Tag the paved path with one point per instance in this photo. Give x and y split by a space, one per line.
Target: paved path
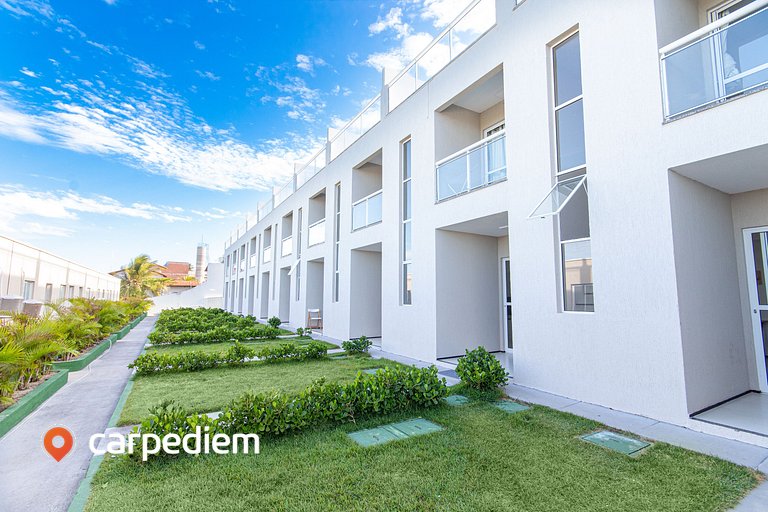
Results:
30 480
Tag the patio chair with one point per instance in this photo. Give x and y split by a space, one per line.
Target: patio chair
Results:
32 308
314 319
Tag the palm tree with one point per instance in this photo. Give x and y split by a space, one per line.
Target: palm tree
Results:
142 278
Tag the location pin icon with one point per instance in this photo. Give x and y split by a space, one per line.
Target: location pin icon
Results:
63 442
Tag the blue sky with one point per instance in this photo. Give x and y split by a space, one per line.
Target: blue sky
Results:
131 127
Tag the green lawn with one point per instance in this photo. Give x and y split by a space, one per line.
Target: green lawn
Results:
484 460
211 390
222 347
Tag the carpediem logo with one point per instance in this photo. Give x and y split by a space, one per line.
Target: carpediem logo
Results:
201 441
58 442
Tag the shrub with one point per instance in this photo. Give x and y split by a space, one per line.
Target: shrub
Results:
236 355
300 331
274 322
480 370
215 335
291 351
357 346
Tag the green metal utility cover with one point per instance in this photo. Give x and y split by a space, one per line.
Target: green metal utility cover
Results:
456 400
371 371
393 432
510 406
616 442
417 427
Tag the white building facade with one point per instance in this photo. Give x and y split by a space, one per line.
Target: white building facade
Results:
637 134
32 274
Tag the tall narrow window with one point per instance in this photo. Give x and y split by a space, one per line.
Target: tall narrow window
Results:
407 198
570 192
298 280
48 293
29 290
336 239
299 220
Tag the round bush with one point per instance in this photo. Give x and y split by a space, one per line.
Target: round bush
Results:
480 370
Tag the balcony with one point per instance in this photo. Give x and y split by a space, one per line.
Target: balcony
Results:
242 264
316 233
367 211
253 260
470 26
355 129
718 62
267 254
479 165
286 246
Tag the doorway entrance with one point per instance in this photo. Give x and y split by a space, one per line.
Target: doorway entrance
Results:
756 251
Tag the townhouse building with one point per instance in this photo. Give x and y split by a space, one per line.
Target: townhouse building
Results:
580 186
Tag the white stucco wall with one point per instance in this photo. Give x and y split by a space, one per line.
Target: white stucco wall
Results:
643 350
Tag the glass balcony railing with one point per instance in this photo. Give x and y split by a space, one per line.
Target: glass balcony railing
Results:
355 129
476 166
316 233
253 260
476 20
286 246
314 166
284 193
720 61
242 265
267 254
366 211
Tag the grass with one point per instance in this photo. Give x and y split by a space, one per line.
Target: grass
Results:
484 460
222 347
210 390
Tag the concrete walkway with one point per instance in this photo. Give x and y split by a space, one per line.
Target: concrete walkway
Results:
31 479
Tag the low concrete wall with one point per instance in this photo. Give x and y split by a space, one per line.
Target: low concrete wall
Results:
13 415
209 294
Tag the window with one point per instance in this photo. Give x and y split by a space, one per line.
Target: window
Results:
406 214
48 293
568 199
80 291
62 292
29 290
299 220
336 238
298 280
71 292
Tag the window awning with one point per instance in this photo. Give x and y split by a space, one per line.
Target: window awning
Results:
559 196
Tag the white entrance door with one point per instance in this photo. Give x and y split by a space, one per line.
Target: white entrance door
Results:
756 250
506 303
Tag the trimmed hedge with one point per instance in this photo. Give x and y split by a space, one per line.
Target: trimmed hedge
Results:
388 390
216 335
194 361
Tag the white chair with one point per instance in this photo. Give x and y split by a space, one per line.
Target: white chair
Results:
314 319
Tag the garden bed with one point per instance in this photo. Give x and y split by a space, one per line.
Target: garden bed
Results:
90 355
212 389
483 459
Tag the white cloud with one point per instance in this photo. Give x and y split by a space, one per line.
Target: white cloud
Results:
443 12
146 70
56 212
110 2
292 93
411 43
393 20
27 8
308 63
199 45
29 72
208 75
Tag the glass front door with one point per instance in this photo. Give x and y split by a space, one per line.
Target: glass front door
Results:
506 301
756 248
